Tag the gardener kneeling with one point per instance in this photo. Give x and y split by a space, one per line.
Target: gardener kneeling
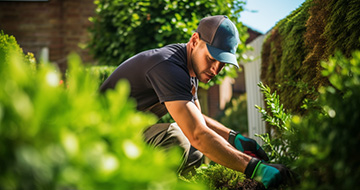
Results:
166 80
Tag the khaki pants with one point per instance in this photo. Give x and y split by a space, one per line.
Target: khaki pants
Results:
168 135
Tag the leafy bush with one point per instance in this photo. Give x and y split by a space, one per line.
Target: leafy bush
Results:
277 142
328 140
218 177
102 71
8 44
234 115
321 146
69 137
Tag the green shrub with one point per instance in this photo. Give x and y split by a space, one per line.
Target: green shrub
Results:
321 147
102 71
55 136
328 141
277 142
8 45
234 115
218 177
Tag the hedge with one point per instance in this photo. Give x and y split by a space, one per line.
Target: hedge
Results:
294 48
321 146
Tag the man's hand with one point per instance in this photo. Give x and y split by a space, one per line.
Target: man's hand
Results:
247 145
271 175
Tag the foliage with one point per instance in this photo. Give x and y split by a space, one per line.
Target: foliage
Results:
282 55
321 147
328 141
8 44
124 28
277 144
342 29
166 119
293 51
102 71
235 115
218 177
56 136
277 116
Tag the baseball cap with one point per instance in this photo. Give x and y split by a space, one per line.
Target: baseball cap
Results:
221 37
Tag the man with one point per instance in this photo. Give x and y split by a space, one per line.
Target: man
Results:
166 80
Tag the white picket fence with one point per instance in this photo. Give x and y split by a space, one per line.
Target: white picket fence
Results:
252 72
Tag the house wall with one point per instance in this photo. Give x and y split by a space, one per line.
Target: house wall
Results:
59 25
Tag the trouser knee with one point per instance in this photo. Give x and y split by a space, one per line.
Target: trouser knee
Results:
168 135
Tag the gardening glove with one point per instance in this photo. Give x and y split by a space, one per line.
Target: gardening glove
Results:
271 175
247 145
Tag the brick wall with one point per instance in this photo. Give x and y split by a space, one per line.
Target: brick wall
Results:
60 25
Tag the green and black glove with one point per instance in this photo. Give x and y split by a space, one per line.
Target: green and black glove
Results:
247 145
271 175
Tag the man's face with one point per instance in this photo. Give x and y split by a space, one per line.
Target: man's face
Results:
204 65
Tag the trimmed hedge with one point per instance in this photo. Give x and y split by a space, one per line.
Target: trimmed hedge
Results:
297 44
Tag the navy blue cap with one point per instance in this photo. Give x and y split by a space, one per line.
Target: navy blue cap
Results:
221 37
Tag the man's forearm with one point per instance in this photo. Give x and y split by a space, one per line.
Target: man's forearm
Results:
220 151
217 127
205 139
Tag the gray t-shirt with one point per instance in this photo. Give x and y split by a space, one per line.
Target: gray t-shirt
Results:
156 76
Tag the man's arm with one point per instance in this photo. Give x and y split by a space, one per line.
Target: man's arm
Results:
244 144
214 125
193 124
217 127
211 144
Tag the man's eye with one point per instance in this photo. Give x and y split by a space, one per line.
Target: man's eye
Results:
211 59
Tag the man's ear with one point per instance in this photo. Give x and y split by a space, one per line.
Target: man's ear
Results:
195 39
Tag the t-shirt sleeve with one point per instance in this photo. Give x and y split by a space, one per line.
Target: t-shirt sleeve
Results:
170 82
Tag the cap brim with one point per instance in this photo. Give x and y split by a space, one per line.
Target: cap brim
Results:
222 56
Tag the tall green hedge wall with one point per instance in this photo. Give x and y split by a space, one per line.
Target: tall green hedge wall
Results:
295 47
